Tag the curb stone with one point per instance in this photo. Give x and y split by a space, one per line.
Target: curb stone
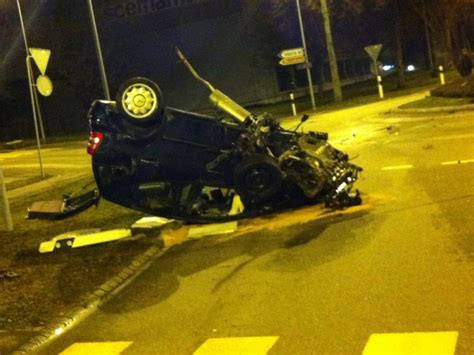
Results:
103 293
440 110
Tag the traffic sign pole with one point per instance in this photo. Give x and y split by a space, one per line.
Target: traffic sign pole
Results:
308 70
374 52
40 117
379 83
35 117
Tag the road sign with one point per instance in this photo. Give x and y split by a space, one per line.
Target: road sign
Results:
41 58
292 60
44 85
290 53
374 51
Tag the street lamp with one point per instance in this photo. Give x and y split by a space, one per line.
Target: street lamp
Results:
100 59
33 94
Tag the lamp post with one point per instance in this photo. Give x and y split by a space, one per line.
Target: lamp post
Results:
305 48
100 59
34 98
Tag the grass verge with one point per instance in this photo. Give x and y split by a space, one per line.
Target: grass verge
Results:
359 94
48 285
437 102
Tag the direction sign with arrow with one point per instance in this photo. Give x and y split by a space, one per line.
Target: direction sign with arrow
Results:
290 53
292 60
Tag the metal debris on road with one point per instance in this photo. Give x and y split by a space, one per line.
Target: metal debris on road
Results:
212 229
152 222
5 274
59 209
393 129
83 238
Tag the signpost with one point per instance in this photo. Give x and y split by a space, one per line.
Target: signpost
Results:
292 56
290 53
43 82
292 61
374 52
288 57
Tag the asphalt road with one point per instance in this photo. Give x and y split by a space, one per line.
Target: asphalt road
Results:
402 263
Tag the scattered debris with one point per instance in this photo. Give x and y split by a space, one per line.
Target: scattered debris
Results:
83 238
393 129
237 206
212 229
151 224
13 144
5 274
59 209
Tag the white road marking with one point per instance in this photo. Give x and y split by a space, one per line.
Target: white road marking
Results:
236 346
456 162
397 167
451 137
111 348
412 343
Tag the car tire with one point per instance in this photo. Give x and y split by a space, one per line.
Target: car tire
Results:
257 178
140 101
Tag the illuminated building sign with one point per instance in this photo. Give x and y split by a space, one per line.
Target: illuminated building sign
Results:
132 8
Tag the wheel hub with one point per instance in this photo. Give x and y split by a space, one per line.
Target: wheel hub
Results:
257 180
139 101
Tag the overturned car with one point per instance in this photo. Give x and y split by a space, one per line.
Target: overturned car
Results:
199 168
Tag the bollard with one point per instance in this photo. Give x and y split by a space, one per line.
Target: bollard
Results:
442 78
293 105
5 205
379 83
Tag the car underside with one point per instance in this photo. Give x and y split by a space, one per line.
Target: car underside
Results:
199 168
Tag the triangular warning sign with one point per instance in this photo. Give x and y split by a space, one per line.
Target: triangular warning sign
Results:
374 51
41 58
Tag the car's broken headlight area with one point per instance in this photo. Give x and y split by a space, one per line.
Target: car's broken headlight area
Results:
272 169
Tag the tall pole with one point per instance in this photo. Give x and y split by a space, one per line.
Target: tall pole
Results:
30 84
105 85
27 53
336 81
22 26
429 48
33 107
7 216
305 48
4 203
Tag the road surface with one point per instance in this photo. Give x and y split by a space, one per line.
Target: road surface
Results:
396 273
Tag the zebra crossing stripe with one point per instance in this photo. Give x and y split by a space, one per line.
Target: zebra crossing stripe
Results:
111 348
237 346
436 343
